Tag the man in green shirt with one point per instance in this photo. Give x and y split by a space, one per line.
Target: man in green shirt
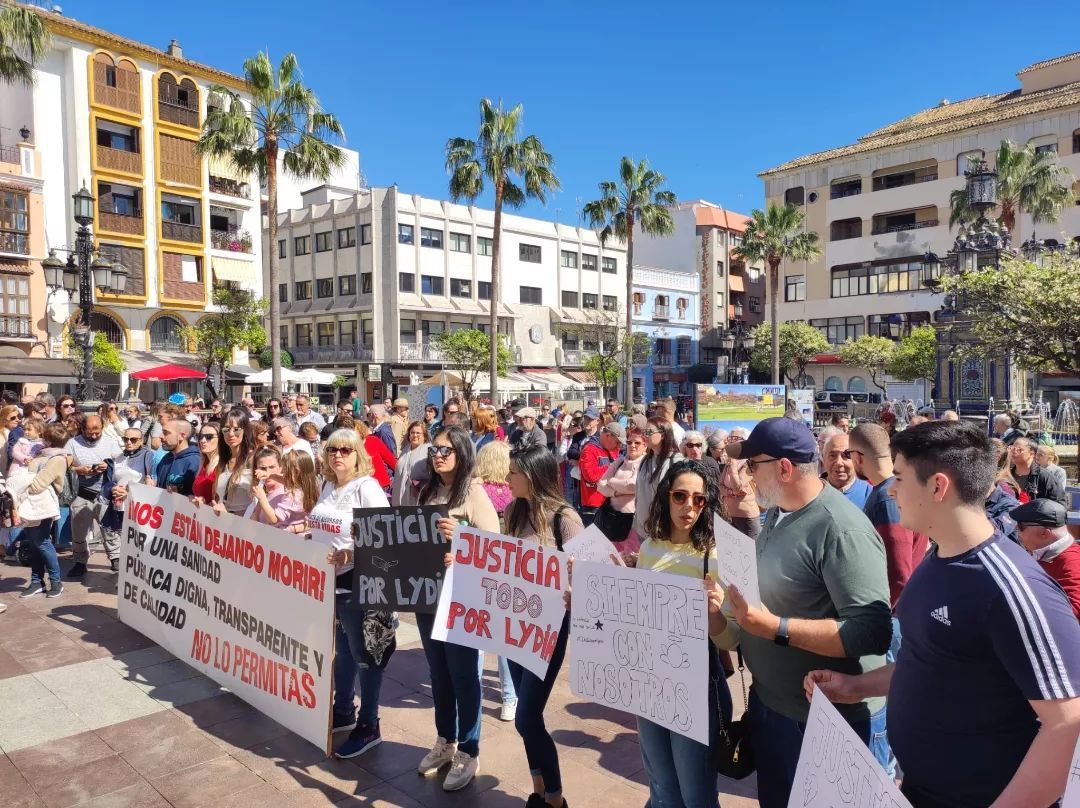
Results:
825 600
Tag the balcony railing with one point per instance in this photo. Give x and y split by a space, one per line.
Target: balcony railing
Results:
12 241
9 154
576 357
119 160
174 111
419 352
120 222
683 360
234 240
661 312
15 327
173 343
178 231
880 228
332 353
228 187
663 359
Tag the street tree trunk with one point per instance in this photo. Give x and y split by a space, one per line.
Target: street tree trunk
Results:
628 337
774 309
496 268
272 248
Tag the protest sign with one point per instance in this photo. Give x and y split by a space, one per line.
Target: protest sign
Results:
1072 785
399 558
736 560
249 605
638 643
592 545
503 595
835 766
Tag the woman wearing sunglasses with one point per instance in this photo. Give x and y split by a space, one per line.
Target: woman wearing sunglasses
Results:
232 488
679 534
9 419
365 639
455 678
215 456
273 410
661 451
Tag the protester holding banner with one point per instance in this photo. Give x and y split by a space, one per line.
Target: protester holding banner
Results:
660 453
455 681
135 465
540 513
280 499
232 488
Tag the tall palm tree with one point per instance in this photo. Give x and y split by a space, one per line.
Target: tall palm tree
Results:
24 39
517 168
635 199
773 236
1028 181
285 119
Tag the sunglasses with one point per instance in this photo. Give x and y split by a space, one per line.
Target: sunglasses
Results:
681 497
132 440
694 445
751 465
67 405
207 436
344 451
233 430
652 431
440 451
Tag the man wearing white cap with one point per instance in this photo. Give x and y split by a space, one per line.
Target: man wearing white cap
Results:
527 430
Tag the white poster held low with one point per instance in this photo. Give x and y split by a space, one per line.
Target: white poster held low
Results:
592 545
736 558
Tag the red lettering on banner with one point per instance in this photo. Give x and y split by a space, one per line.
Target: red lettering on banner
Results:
475 620
296 574
145 514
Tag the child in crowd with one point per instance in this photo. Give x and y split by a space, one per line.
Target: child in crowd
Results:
30 444
281 494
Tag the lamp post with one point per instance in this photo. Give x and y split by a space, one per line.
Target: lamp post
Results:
83 272
737 342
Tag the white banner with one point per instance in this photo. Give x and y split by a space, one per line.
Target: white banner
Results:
736 560
1072 785
592 545
249 605
503 595
638 643
836 768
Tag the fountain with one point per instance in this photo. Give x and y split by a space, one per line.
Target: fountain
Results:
1066 422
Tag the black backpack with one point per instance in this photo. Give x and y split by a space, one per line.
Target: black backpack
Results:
71 487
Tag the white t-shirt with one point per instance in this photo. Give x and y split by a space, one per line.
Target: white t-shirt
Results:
301 445
331 518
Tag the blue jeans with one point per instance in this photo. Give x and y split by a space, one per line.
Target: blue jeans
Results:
42 552
455 687
505 680
776 741
349 663
11 536
879 739
62 529
532 694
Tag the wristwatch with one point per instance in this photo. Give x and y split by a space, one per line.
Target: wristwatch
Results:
782 637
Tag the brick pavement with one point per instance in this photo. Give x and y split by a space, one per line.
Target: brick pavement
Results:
94 714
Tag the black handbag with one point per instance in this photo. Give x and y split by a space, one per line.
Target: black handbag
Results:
613 524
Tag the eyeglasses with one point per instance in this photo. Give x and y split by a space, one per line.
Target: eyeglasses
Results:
681 497
694 445
751 465
132 440
67 404
207 436
233 430
344 451
847 453
652 431
441 451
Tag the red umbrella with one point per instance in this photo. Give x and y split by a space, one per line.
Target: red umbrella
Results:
168 373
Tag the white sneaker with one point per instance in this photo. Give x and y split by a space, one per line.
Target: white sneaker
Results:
441 753
463 769
508 711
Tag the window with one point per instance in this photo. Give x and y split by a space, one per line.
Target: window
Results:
178 212
891 276
14 223
533 295
719 269
660 307
905 176
126 141
794 196
405 234
406 282
365 283
639 301
856 384
346 285
324 287
721 238
347 332
460 242
842 188
303 290
429 328
570 299
326 334
837 330
323 242
610 265
588 301
754 274
965 160
755 304
367 329
459 287
407 330
834 383
301 245
682 351
282 250
588 262
303 335
346 237
283 293
736 240
681 305
1047 148
165 335
110 75
15 306
431 285
483 245
283 336
845 228
483 290
895 326
365 234
190 269
530 253
569 260
794 288
569 342
611 303
430 237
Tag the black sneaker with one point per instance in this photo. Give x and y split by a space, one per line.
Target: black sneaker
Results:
55 590
32 588
77 571
115 564
360 740
344 723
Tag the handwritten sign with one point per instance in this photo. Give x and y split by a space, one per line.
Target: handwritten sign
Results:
835 766
399 558
503 595
638 643
592 545
736 559
249 605
1072 785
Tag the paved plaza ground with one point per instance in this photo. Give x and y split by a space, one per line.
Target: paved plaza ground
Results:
92 713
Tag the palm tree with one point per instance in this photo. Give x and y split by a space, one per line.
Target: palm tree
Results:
1028 181
773 236
636 199
504 159
285 119
24 39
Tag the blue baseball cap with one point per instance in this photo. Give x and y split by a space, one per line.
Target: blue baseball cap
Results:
591 413
779 438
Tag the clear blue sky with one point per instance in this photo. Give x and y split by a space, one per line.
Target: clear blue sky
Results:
711 92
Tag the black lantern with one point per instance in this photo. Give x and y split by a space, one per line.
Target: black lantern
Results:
71 274
727 342
24 133
119 278
83 206
981 187
102 270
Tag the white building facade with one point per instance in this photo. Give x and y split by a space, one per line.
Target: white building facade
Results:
666 309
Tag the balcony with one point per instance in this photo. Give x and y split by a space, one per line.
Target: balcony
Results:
419 352
174 110
115 221
229 187
119 160
14 327
662 359
661 312
839 190
14 241
234 240
883 226
332 353
575 357
9 154
178 231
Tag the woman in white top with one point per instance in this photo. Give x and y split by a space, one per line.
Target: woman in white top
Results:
232 488
365 639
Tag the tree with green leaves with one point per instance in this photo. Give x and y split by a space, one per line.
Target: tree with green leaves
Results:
613 342
799 344
517 168
1028 181
235 322
871 353
285 120
636 199
773 236
467 353
105 356
915 356
24 39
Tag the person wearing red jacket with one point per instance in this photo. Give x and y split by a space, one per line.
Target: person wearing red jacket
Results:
382 458
1041 527
597 453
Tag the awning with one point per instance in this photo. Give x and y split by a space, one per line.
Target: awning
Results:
47 371
233 269
168 373
553 379
582 377
224 168
135 361
735 283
